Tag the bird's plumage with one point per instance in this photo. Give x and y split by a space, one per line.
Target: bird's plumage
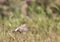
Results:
22 28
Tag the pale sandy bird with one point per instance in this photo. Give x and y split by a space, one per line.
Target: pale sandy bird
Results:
22 28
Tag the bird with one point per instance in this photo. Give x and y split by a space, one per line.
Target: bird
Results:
22 28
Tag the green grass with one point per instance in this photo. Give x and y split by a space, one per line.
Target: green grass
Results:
42 29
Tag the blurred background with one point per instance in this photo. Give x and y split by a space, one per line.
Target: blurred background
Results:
41 16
